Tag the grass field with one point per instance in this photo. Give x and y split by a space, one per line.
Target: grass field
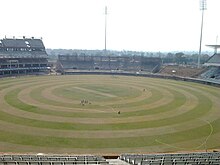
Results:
80 114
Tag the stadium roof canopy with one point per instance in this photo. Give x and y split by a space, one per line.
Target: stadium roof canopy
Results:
213 60
22 43
214 46
35 43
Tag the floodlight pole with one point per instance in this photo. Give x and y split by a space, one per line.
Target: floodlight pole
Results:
106 29
202 7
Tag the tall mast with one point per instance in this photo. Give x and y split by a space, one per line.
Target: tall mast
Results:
106 29
202 8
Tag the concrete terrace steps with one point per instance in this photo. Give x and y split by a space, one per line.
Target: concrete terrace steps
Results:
117 162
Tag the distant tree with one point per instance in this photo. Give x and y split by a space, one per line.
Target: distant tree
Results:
194 58
169 58
179 58
170 55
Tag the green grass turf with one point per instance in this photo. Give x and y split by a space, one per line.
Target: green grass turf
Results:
201 109
108 86
171 138
11 99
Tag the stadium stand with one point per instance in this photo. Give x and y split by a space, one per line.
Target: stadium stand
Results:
194 158
22 56
126 63
51 159
213 71
173 159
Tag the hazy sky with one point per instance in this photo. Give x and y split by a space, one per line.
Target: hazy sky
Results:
145 25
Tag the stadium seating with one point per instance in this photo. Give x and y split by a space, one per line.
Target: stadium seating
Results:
173 159
203 158
211 73
126 63
50 160
22 56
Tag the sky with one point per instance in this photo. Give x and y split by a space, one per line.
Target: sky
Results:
139 25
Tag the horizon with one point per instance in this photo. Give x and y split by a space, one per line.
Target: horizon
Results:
112 50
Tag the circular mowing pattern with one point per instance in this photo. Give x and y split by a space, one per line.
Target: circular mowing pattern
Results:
106 114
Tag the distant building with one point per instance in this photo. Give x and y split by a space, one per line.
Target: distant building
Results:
22 56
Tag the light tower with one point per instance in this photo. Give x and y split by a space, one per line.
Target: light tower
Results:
203 6
106 12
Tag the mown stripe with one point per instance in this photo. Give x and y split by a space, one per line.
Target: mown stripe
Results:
129 142
11 99
201 109
36 94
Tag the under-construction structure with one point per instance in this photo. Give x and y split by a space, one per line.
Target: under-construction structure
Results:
22 56
126 63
